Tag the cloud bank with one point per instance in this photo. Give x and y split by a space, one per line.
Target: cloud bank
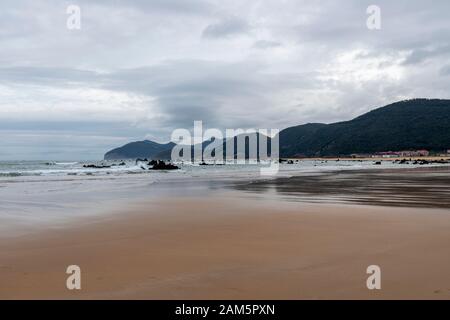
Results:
139 69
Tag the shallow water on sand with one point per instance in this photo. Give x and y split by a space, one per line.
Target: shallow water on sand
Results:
418 187
34 197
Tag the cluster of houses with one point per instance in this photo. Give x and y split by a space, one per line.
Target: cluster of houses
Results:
400 154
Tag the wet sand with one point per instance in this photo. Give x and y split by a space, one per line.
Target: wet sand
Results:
234 247
424 187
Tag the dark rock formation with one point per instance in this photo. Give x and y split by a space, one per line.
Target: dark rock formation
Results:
161 165
93 166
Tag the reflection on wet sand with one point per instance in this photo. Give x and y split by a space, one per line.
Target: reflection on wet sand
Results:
418 187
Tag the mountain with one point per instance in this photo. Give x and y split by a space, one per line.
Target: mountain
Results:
405 125
166 154
139 149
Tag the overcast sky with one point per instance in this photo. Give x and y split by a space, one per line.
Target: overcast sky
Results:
139 69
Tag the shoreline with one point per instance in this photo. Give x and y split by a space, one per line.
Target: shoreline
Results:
37 203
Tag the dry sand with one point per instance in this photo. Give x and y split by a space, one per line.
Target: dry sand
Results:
225 248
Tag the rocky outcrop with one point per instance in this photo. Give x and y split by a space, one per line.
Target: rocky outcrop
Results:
161 165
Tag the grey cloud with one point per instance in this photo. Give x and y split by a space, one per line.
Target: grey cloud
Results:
194 90
342 25
184 90
421 55
171 6
418 56
46 75
225 28
265 44
445 71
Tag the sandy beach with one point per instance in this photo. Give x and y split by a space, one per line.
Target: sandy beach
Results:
235 247
189 150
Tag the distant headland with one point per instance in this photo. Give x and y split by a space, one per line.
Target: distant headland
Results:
414 126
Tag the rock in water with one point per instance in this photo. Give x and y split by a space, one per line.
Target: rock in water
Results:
161 165
93 166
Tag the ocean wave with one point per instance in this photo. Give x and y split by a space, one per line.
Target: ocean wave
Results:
18 174
10 174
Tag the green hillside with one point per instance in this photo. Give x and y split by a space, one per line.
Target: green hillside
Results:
406 125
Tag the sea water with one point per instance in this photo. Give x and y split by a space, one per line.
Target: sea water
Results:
51 193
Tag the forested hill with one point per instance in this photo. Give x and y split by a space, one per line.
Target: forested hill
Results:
405 125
